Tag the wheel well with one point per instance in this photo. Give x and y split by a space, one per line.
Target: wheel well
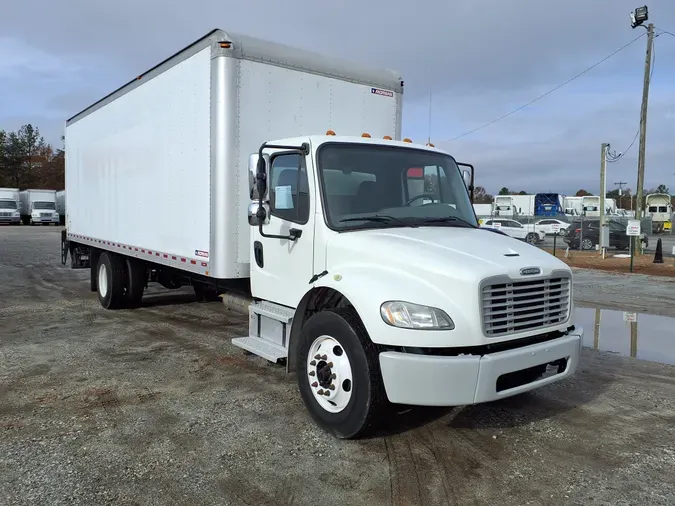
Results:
317 299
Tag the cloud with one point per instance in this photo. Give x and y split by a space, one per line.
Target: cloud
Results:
479 59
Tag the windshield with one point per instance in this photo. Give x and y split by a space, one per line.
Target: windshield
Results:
44 205
7 204
366 186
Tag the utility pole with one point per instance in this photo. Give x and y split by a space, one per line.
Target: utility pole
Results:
603 192
640 16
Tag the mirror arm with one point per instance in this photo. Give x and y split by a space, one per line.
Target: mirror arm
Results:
294 233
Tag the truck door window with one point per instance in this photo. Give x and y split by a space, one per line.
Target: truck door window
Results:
289 188
430 181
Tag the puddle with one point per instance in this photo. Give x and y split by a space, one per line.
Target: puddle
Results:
648 337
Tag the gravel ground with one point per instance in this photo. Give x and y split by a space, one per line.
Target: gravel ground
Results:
155 406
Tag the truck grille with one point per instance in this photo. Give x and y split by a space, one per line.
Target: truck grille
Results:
5 214
45 215
519 306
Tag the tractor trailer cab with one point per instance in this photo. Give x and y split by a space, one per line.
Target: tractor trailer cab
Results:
359 255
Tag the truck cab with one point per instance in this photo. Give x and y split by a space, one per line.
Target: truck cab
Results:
371 276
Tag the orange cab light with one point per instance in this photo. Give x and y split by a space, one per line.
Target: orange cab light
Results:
330 132
365 134
226 45
406 140
430 145
387 137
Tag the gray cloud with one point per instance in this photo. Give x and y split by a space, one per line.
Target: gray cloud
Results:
480 59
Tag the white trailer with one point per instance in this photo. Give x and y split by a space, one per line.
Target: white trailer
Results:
38 207
61 206
523 205
9 206
364 267
659 209
483 209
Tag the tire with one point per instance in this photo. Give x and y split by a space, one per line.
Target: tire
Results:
135 280
360 398
587 244
532 238
110 279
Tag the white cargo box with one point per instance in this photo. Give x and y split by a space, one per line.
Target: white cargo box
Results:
159 168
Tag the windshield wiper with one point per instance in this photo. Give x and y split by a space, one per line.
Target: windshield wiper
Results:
382 218
447 219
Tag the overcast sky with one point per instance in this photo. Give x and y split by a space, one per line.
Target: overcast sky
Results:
479 58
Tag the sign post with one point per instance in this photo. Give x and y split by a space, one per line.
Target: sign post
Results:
632 230
556 230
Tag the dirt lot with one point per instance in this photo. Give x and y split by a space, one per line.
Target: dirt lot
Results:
155 406
642 264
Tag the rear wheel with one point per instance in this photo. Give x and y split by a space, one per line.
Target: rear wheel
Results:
338 373
587 244
110 280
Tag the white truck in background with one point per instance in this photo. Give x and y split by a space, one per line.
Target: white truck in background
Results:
38 207
659 209
357 254
503 206
9 206
61 206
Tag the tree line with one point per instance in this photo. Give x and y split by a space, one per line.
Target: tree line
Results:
27 161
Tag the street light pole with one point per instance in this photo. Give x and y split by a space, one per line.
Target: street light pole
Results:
638 17
603 192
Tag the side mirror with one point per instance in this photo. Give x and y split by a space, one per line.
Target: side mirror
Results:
258 214
466 175
258 167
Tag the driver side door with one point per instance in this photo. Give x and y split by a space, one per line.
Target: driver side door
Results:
281 268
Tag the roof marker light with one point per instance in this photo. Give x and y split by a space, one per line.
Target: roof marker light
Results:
330 132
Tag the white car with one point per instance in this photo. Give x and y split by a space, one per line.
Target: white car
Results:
546 226
526 232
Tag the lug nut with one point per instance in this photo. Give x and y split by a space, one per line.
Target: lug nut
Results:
320 391
326 393
315 384
333 376
312 373
330 364
324 357
317 356
312 363
332 387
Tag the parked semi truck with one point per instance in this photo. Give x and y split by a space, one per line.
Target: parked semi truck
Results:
38 207
659 209
364 268
61 206
9 206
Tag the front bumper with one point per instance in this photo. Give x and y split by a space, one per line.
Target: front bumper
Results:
10 219
424 380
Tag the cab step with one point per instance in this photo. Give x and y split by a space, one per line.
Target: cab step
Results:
269 328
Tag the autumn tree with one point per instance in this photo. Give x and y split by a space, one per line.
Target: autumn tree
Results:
583 193
481 196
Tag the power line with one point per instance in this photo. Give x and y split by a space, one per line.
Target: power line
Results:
613 157
545 94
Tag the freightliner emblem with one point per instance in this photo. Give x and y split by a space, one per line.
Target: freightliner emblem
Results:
530 271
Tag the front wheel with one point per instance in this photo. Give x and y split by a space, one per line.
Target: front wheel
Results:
338 373
532 238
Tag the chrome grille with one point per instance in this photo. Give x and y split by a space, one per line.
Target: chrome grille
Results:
45 215
5 214
520 306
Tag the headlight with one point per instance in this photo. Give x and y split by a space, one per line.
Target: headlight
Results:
407 315
16 213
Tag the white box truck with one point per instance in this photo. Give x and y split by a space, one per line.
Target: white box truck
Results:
9 206
659 209
366 271
61 206
38 207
